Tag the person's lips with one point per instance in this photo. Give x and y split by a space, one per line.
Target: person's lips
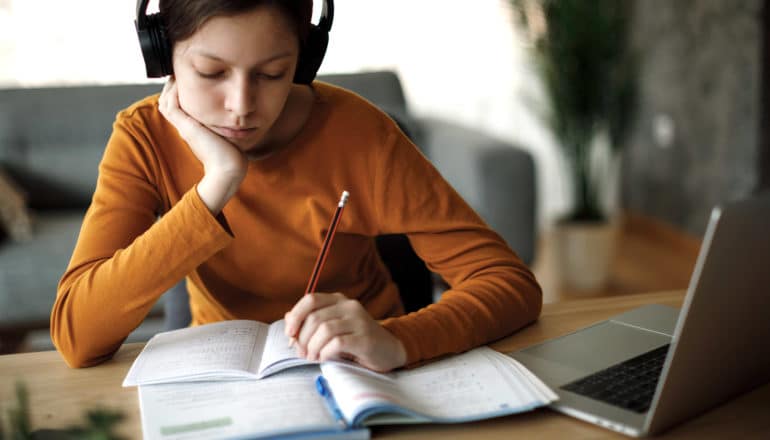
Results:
234 133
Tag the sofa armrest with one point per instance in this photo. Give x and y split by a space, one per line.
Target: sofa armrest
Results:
495 177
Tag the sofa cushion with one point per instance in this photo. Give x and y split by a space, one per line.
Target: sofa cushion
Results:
14 217
496 178
51 139
30 271
59 175
383 89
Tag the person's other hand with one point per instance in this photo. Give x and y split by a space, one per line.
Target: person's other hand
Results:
224 164
333 326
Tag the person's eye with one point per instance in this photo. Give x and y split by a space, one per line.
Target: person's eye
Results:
271 76
209 75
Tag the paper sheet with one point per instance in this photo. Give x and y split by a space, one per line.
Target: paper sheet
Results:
190 352
477 384
285 403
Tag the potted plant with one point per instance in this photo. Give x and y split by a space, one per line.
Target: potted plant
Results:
588 70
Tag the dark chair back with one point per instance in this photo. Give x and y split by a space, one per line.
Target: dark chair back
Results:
414 280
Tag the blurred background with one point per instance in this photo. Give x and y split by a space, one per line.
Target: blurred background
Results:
697 138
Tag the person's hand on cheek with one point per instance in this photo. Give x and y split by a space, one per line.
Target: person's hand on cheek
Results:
333 326
224 164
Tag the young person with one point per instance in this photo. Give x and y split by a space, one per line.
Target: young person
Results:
230 176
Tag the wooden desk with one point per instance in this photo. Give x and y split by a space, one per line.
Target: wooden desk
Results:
58 395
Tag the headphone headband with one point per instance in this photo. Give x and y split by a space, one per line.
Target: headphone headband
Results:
327 15
141 12
153 42
156 48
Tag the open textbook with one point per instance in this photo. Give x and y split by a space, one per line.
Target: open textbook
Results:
285 405
238 349
340 400
478 384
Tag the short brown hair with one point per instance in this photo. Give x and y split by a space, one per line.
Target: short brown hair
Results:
182 18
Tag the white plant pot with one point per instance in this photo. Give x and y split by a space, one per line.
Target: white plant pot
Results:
584 254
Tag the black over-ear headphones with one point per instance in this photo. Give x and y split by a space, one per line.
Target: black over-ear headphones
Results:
156 49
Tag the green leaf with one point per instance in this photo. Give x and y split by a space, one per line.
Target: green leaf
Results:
18 417
100 423
589 71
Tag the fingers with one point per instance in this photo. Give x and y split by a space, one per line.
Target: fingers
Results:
342 347
323 334
217 154
332 326
316 319
374 350
321 317
164 101
306 305
168 104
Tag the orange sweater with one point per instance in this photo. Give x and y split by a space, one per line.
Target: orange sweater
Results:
127 256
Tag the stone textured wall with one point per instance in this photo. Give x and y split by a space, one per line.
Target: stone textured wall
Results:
696 136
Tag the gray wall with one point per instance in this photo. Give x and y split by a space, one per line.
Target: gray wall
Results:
700 71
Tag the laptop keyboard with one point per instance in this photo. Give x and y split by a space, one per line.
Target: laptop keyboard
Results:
629 384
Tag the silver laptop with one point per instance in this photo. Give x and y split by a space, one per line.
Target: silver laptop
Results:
646 370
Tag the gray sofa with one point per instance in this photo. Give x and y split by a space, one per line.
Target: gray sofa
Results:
51 141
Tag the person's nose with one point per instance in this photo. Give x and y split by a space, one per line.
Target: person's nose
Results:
241 96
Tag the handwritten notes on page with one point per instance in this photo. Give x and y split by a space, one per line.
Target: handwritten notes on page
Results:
218 350
478 384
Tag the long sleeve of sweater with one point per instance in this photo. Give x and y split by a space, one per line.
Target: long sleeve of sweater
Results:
492 291
125 259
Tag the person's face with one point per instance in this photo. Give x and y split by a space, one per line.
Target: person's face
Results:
235 73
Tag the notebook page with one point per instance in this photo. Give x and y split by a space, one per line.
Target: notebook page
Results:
277 355
275 405
521 379
219 350
469 386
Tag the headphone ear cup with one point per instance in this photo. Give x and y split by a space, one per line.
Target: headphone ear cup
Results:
155 47
311 55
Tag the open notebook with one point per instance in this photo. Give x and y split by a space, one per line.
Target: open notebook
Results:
239 349
479 384
340 400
